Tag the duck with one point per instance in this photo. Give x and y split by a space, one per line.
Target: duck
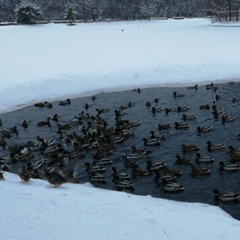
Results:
48 105
119 176
159 179
151 142
153 136
65 102
12 130
93 98
200 171
1 176
229 167
102 161
193 87
205 106
234 150
175 94
179 125
234 99
182 108
172 187
134 123
167 110
156 100
188 117
204 129
171 171
54 117
44 123
204 159
209 86
227 118
70 178
153 167
182 161
39 104
225 196
235 157
136 172
156 109
215 146
94 168
148 104
124 184
24 173
54 178
217 97
189 148
24 124
163 126
130 163
138 151
95 177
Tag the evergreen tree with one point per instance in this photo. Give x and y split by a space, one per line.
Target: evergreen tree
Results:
28 14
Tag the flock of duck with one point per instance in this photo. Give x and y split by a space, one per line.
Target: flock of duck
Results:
94 136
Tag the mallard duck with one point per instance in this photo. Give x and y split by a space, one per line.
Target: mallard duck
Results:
189 148
217 97
156 109
156 100
94 168
205 106
228 118
234 150
152 167
204 159
24 174
159 179
235 157
153 136
47 104
204 129
53 178
12 130
225 196
179 125
188 117
167 110
130 163
70 177
136 172
171 171
175 94
138 151
93 98
44 123
97 178
199 171
1 176
102 161
151 142
134 123
209 86
119 176
24 124
182 108
65 102
54 117
163 126
148 104
39 104
172 187
214 146
234 99
229 167
193 87
182 161
124 184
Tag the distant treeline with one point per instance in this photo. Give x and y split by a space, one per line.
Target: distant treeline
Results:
102 10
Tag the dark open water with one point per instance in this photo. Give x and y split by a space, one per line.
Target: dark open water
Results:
197 189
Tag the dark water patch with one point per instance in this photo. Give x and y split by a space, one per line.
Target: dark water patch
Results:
197 189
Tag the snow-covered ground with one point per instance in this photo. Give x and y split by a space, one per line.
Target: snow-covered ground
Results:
52 62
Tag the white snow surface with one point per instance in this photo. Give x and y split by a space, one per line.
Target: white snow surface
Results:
52 62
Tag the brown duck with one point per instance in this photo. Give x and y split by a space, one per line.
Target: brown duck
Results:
53 178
